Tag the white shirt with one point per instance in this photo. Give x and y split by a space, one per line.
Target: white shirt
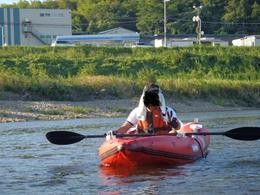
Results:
133 120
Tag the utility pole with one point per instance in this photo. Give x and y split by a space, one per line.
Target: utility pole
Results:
198 20
165 22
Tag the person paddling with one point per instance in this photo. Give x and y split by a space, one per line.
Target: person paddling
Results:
151 116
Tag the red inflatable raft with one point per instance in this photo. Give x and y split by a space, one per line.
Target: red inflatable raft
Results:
153 150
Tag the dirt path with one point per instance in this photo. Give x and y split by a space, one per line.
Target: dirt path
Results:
12 111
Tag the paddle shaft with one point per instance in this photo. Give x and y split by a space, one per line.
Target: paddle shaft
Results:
122 135
149 135
67 137
205 133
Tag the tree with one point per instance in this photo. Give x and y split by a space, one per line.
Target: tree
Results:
240 12
150 16
50 4
68 4
36 4
212 19
23 4
256 12
100 14
126 14
180 13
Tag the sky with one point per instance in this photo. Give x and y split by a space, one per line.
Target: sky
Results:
8 1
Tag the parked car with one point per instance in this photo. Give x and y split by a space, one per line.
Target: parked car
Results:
62 43
141 44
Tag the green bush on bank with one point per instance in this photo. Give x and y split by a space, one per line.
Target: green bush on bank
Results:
82 73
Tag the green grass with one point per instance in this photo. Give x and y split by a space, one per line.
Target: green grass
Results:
84 73
4 114
79 109
46 112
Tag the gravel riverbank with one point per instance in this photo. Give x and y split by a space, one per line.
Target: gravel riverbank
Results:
14 111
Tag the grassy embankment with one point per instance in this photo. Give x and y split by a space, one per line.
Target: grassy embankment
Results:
219 74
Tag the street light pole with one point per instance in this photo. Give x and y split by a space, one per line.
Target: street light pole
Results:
165 22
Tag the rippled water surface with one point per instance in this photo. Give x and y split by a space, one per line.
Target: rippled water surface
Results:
29 164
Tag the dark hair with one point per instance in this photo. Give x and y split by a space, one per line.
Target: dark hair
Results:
153 88
151 98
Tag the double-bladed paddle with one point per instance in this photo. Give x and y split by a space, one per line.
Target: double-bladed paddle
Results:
67 137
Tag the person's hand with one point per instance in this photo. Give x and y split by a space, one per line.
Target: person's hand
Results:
175 123
110 135
173 132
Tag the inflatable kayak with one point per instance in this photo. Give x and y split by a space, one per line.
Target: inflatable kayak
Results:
155 150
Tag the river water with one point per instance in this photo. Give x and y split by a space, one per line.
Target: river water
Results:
29 164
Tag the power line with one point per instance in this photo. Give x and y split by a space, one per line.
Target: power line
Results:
174 20
235 23
218 22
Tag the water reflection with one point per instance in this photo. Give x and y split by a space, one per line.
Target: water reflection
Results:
57 175
139 180
123 175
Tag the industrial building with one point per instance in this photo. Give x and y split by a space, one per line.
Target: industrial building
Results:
189 41
252 40
33 26
113 37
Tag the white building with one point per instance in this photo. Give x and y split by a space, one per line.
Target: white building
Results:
33 26
113 37
180 42
252 40
185 42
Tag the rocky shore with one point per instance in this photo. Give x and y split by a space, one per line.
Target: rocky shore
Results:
14 111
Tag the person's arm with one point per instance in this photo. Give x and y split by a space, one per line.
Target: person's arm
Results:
129 123
174 122
124 128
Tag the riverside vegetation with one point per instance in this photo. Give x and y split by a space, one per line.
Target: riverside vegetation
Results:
218 74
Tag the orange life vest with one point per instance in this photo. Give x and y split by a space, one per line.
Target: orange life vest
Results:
154 123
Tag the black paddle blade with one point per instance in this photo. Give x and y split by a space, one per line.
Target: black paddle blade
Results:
64 137
244 133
